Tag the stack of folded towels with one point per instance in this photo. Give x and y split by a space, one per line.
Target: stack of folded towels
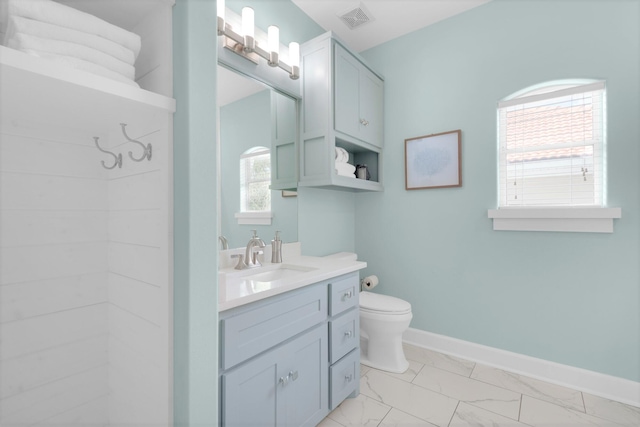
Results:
342 166
65 35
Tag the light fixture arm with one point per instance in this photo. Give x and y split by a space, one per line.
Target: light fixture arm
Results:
241 49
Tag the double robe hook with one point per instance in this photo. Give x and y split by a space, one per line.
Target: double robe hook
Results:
117 157
147 148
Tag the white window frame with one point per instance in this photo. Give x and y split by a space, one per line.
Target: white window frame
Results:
245 216
596 218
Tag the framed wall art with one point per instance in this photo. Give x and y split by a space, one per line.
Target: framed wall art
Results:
433 161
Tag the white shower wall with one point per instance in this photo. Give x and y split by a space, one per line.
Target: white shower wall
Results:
84 280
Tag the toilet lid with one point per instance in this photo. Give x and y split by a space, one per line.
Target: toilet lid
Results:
383 303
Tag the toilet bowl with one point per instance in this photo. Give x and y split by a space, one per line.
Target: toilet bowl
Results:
383 319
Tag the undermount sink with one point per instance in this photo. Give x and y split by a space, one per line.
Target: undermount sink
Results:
269 273
285 271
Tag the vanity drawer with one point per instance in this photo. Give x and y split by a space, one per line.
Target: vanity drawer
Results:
253 331
344 378
343 293
343 334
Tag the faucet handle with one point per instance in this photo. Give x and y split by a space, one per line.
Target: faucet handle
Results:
255 233
240 264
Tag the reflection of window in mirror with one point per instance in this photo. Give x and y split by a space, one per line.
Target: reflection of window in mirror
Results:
255 177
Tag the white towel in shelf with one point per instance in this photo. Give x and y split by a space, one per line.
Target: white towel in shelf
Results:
342 156
68 17
25 42
81 64
18 24
345 169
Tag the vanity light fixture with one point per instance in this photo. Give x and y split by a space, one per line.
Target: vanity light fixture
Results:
245 44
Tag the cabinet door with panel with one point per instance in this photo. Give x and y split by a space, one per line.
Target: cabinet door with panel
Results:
287 386
358 99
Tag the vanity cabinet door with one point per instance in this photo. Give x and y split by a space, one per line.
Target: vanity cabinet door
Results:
249 393
304 398
287 386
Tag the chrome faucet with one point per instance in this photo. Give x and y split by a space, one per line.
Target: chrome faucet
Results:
225 244
254 248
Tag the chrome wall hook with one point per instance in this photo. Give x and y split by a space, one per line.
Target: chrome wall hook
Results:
146 148
118 157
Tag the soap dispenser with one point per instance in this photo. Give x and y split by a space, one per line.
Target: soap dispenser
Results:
276 249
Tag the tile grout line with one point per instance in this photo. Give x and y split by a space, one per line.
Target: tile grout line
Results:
454 414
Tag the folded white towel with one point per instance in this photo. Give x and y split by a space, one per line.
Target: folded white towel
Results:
68 17
342 156
345 169
26 42
81 64
18 24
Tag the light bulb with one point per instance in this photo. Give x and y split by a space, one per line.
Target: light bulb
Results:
273 37
294 54
273 34
294 59
248 29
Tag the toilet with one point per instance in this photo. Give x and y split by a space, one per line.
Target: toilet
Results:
383 319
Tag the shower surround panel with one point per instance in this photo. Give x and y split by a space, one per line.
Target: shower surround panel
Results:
84 280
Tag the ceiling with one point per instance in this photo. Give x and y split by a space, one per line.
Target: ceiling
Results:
389 18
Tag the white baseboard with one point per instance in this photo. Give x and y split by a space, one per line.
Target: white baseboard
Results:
607 386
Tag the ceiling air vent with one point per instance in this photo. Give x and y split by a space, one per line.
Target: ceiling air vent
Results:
357 17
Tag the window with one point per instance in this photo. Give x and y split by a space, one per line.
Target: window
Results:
255 177
552 168
551 146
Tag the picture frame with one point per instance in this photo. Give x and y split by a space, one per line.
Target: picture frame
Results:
433 161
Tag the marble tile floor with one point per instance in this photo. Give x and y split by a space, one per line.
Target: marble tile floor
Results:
444 391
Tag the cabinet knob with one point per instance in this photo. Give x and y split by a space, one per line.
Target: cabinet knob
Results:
348 334
347 295
293 375
348 378
364 122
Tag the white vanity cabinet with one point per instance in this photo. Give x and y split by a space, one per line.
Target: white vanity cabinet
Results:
288 360
342 106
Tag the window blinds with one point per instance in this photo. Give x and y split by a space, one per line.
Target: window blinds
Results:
551 147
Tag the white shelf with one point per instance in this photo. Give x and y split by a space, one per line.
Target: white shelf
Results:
48 93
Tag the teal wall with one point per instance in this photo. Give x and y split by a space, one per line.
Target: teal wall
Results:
294 24
571 298
236 137
195 236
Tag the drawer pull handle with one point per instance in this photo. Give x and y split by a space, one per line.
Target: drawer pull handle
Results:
293 375
347 295
348 378
364 122
348 334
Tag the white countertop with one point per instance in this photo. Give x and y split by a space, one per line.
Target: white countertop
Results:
235 289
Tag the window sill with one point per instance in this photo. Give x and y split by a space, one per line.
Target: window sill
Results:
254 218
586 220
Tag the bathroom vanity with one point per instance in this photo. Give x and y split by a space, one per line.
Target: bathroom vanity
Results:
289 341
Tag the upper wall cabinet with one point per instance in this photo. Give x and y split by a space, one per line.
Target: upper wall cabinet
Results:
342 106
358 99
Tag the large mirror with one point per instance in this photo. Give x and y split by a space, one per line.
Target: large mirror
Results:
247 112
